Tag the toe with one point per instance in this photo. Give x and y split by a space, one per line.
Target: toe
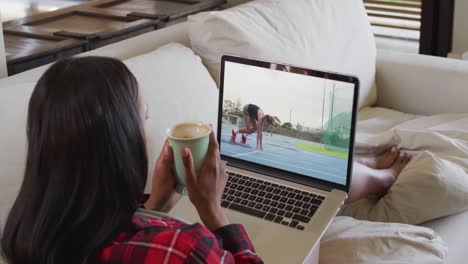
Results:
402 157
396 152
406 158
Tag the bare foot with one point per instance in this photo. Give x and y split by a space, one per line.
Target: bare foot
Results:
372 182
400 163
387 177
382 161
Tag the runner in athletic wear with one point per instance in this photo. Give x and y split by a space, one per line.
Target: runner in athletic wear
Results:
254 119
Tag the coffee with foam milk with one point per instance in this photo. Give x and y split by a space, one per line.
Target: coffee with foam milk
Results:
194 136
189 131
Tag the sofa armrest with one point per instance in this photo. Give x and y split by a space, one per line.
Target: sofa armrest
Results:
421 84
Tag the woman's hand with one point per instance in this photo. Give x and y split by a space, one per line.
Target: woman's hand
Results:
206 188
163 196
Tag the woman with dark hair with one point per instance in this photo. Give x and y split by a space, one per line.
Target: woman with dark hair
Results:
254 120
86 171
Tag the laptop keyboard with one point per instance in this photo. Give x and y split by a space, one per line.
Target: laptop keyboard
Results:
277 203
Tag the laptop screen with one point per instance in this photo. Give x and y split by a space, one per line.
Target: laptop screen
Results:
286 118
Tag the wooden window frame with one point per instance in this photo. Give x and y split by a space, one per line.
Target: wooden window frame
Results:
435 17
436 27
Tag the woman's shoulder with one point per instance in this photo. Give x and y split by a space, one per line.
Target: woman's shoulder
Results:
155 238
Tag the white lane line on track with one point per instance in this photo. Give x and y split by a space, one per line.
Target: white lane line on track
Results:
302 168
244 154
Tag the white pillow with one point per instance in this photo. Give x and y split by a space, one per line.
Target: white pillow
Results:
428 188
14 102
177 88
352 241
322 34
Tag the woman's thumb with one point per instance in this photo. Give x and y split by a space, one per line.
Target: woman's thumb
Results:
189 166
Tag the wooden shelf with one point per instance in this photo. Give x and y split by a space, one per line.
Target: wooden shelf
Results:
34 41
163 10
29 50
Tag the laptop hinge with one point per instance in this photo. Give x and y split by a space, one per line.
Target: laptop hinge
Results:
285 177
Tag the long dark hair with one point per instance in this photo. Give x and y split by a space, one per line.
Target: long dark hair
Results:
86 166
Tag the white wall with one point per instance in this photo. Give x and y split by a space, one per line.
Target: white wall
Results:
460 31
3 67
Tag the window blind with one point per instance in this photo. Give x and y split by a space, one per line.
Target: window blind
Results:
395 18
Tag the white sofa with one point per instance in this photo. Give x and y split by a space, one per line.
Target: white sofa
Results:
409 83
3 65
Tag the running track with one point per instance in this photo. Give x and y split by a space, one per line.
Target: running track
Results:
281 152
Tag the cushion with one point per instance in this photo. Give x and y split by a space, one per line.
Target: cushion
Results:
322 34
177 88
435 183
352 241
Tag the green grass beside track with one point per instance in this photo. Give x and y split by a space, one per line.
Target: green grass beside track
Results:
313 148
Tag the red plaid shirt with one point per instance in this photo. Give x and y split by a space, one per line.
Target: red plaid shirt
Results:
164 240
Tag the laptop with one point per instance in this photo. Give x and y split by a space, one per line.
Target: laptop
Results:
287 135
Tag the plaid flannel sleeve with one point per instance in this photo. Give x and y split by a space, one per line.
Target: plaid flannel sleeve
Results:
234 239
229 245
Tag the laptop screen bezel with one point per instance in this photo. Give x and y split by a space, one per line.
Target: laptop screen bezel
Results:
279 173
